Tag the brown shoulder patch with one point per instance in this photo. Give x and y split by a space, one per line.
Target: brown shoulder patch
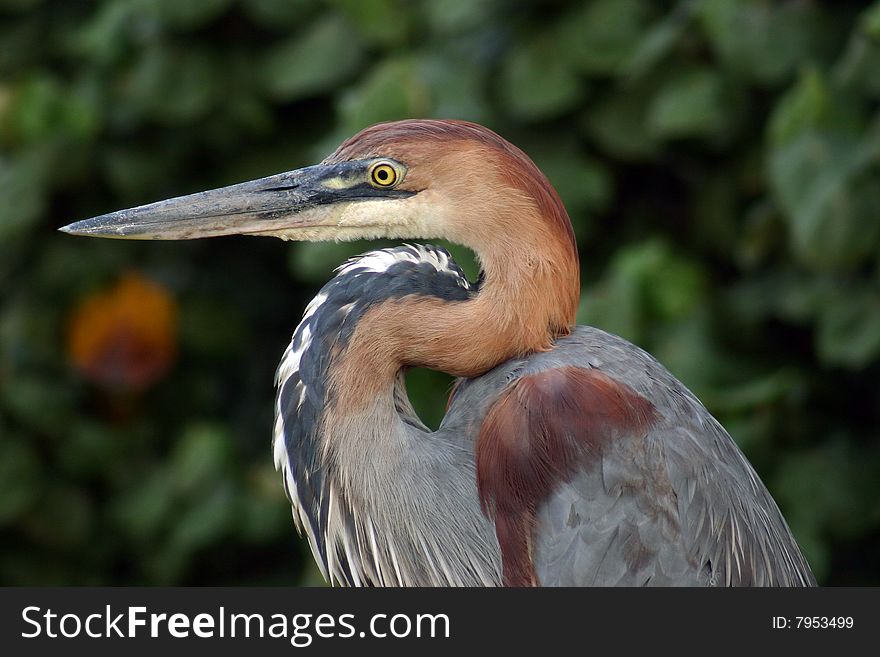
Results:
534 436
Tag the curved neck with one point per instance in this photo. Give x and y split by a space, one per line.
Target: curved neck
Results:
528 298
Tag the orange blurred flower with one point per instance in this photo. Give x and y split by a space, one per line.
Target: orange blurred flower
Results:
124 337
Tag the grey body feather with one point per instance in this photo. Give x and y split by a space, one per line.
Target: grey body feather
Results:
385 501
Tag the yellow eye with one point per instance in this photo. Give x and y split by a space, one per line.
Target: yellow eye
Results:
383 175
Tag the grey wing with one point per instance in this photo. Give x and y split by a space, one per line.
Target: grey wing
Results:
677 504
659 510
670 501
616 523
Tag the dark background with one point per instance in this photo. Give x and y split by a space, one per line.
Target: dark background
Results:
720 161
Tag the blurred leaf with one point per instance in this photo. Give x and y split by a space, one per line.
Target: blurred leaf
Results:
687 348
870 21
392 90
278 14
20 478
536 84
199 457
175 85
690 105
207 518
381 21
599 36
104 36
750 431
618 123
62 518
761 40
679 286
658 41
31 395
35 109
457 88
718 221
325 54
791 295
858 66
828 200
263 512
133 173
830 488
186 15
645 280
90 449
802 108
212 329
453 16
762 233
760 391
859 62
142 511
19 5
23 180
811 104
849 329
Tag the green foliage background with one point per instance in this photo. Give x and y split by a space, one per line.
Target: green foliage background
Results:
720 160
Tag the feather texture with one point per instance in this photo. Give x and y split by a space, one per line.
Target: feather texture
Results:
596 466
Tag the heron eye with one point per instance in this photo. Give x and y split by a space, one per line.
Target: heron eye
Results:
383 175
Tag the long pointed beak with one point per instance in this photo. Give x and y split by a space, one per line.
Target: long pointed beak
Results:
296 199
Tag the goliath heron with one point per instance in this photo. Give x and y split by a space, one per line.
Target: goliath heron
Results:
567 456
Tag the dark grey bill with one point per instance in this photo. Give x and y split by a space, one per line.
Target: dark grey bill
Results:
283 201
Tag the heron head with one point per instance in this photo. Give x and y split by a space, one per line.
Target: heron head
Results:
406 179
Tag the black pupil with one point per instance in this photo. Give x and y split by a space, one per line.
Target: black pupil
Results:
382 175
